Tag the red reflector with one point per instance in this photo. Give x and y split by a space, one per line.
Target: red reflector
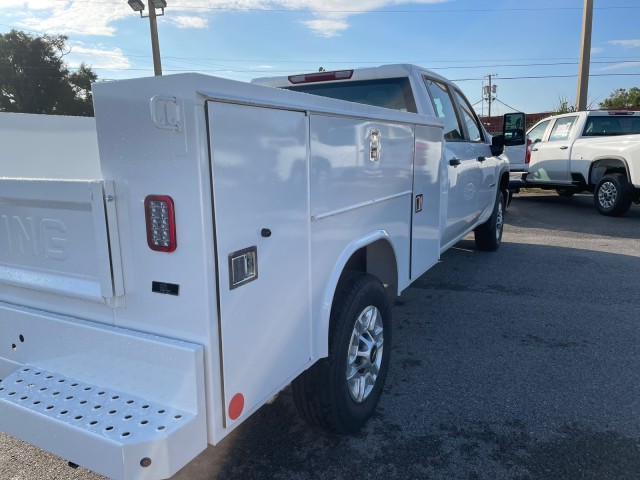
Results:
527 155
321 76
161 223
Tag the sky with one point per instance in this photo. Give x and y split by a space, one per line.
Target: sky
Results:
531 49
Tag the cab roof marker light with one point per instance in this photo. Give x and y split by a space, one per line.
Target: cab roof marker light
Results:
161 225
321 76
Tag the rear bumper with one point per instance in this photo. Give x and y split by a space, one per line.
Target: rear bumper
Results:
121 403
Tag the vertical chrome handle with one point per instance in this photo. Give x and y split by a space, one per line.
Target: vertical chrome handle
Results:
374 146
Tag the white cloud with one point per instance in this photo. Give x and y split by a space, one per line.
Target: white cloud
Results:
595 50
82 17
621 66
326 27
185 21
635 43
76 18
98 57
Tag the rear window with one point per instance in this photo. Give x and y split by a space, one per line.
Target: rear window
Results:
394 93
602 126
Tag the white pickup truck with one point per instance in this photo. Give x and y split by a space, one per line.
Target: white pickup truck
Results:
595 151
229 239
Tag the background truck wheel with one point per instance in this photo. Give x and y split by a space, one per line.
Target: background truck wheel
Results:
341 392
566 192
489 235
613 195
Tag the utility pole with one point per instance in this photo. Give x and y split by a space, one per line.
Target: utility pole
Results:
585 56
490 90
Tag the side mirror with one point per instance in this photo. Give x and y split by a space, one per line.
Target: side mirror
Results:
497 145
513 129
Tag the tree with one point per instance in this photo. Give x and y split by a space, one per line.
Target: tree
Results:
35 79
563 106
621 98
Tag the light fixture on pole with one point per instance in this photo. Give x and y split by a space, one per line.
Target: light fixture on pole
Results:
138 6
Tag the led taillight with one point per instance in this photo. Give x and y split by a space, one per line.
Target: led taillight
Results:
527 155
161 223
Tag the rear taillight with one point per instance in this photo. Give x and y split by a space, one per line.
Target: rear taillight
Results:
161 223
527 155
321 76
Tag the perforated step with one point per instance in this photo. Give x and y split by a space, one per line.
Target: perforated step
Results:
111 414
111 432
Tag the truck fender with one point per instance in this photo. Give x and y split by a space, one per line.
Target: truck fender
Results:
321 327
599 166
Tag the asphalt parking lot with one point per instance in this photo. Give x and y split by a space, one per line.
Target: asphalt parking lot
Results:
518 364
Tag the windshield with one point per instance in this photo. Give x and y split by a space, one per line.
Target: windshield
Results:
600 126
394 93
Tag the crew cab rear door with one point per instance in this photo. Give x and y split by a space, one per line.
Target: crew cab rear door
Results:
461 157
550 159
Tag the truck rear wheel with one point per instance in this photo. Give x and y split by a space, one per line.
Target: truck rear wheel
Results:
341 392
488 236
613 195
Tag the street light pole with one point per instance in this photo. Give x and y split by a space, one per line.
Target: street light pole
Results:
155 44
138 6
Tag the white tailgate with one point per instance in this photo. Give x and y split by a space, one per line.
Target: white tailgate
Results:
54 237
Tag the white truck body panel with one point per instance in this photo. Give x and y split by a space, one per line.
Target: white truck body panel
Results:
274 193
49 156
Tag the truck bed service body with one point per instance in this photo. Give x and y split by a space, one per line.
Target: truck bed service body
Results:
229 240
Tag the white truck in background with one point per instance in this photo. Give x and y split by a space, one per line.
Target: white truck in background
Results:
596 151
229 240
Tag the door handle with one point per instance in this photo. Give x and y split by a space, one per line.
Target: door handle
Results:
454 162
534 149
564 147
481 159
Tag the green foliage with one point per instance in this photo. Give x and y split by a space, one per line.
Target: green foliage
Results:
563 106
35 79
621 98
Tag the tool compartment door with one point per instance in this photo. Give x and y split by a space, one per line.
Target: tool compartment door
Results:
259 166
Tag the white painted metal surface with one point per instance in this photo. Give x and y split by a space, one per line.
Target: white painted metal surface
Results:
54 237
48 146
101 374
259 168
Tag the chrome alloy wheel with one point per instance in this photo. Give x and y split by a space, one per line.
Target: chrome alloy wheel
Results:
499 221
607 195
365 354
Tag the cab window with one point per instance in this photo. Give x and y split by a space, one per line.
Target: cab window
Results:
537 132
470 119
562 128
443 106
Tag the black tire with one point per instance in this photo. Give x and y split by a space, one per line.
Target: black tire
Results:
488 236
566 192
321 394
613 195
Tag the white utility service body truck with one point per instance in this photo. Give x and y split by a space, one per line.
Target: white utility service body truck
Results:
596 151
229 240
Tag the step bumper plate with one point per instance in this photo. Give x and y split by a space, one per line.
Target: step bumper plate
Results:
112 427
